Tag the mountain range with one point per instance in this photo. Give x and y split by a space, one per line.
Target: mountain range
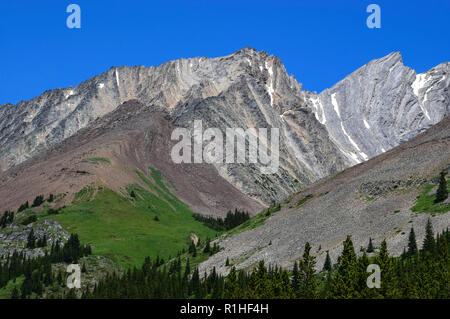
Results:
379 124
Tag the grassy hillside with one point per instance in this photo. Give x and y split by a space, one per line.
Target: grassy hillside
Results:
425 201
123 227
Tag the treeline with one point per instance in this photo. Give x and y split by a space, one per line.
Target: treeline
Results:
38 201
418 273
37 271
233 219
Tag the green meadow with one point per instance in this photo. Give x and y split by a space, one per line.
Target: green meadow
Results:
123 226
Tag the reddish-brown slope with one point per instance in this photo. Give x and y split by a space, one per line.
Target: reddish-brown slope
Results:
132 137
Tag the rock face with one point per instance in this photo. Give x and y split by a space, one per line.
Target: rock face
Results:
372 199
370 111
381 105
13 238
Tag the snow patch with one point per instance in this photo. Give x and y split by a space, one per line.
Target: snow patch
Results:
101 85
269 68
319 111
366 124
335 104
418 84
70 93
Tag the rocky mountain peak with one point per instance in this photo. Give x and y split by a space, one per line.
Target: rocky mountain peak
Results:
373 109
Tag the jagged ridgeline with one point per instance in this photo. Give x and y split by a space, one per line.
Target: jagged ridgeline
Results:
369 112
368 157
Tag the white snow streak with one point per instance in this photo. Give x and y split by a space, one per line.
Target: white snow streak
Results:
269 87
354 143
335 104
117 78
320 112
366 124
418 84
336 109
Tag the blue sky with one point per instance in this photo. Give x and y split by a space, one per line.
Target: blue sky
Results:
319 42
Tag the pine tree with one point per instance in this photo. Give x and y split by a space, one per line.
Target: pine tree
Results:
370 248
295 278
389 282
327 264
344 284
187 268
207 248
412 244
259 283
31 240
308 286
441 193
429 244
193 249
232 287
361 287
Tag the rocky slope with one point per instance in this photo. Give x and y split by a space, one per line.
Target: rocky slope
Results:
371 199
372 110
132 137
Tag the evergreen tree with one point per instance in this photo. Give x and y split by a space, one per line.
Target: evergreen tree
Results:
344 284
232 287
31 240
308 286
389 284
327 264
259 283
429 244
442 192
207 248
193 249
412 244
295 278
38 201
370 248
